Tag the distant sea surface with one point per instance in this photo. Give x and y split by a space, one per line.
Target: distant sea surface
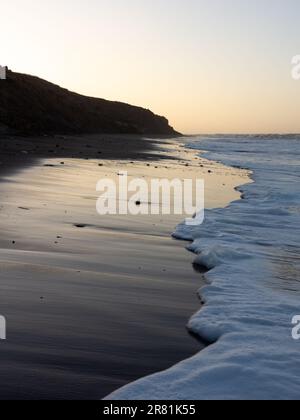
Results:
252 251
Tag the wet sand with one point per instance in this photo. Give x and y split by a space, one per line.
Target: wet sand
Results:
92 308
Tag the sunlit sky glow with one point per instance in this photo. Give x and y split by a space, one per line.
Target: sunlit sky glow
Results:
208 65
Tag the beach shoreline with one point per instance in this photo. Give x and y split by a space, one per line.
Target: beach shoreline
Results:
252 287
93 309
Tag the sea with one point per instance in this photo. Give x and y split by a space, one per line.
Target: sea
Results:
251 302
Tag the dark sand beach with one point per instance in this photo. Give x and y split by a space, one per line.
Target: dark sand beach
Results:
92 303
17 151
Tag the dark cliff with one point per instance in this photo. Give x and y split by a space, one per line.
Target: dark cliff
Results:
32 106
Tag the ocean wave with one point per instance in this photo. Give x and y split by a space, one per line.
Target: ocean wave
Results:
251 250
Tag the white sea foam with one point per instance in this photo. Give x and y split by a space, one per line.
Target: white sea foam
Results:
252 252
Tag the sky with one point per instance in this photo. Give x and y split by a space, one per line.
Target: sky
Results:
209 66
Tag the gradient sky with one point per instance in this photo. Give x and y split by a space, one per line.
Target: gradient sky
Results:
208 65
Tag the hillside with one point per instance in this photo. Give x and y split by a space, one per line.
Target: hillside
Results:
32 106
